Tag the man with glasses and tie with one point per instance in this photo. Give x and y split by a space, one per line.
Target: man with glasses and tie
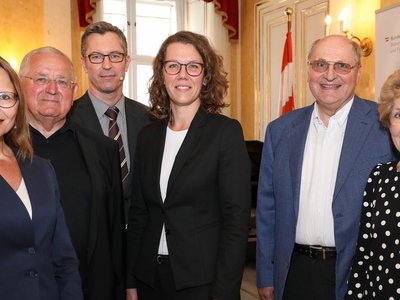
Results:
87 169
315 163
103 108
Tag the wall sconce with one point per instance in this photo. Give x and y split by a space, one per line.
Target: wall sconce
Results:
328 21
365 43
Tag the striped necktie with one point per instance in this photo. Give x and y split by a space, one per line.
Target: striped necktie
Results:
115 133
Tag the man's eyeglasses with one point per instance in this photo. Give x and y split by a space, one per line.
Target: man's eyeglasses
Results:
173 67
322 65
98 58
61 83
8 99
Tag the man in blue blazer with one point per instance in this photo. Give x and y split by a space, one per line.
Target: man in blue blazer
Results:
315 164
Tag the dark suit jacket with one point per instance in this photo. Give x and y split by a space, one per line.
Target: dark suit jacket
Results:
106 245
206 210
37 259
365 144
137 116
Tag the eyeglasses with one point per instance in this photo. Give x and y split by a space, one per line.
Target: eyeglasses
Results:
98 58
61 83
322 65
8 99
173 67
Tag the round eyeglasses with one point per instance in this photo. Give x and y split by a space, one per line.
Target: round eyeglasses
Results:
98 58
8 99
173 67
61 83
321 66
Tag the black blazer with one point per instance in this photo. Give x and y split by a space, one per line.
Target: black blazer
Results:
105 277
206 210
137 116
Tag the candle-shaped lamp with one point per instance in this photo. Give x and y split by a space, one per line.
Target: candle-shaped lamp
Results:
341 22
346 12
328 21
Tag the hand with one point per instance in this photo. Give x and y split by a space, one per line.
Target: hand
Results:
131 294
266 293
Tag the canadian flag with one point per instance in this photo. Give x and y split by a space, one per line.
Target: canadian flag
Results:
286 97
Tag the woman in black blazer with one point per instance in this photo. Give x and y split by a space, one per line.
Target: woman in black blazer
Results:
37 259
188 225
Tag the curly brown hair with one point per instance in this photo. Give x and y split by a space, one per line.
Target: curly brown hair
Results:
215 85
19 136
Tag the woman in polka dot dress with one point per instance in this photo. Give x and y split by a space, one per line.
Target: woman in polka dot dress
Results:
375 272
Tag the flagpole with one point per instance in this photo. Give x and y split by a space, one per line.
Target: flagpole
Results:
286 96
288 13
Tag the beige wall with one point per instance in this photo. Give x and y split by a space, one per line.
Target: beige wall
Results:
39 23
247 70
21 29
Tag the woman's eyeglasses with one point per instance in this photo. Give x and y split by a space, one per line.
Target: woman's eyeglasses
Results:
173 67
8 99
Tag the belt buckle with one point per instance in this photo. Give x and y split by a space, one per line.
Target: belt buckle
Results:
318 248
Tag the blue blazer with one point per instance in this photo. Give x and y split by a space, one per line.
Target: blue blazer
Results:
37 259
365 144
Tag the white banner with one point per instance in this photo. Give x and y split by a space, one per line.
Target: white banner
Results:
387 39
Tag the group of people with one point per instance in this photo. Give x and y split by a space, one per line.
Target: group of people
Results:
327 208
106 199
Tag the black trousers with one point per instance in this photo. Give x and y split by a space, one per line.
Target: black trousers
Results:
310 279
164 287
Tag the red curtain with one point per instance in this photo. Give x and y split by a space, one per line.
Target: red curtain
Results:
229 10
86 9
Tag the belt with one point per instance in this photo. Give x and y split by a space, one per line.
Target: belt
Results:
162 259
316 252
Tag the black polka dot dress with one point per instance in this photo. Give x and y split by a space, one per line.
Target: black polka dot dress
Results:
375 273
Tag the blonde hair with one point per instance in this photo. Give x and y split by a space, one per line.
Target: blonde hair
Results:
390 91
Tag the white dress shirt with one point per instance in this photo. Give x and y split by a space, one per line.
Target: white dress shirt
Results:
22 193
173 142
318 178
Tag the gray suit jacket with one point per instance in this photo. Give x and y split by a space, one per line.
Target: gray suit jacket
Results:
137 116
365 144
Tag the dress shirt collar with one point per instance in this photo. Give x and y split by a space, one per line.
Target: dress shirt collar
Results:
101 107
340 117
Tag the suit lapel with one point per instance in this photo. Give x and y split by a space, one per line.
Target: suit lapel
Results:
357 128
85 115
297 140
157 150
90 157
188 147
131 125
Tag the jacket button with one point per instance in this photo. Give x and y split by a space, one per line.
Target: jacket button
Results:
33 273
31 251
167 231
